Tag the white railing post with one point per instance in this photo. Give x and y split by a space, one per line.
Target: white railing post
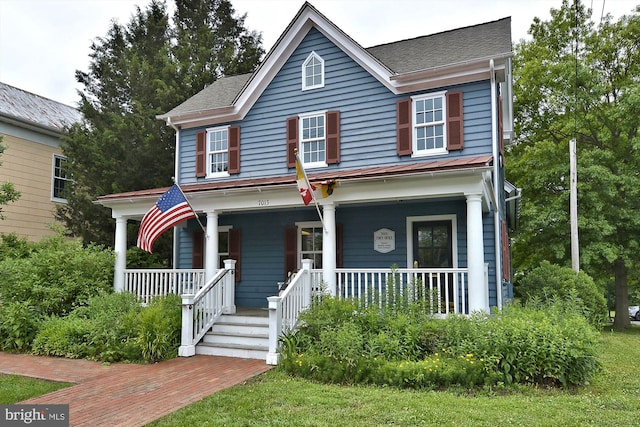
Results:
275 329
306 283
187 346
229 290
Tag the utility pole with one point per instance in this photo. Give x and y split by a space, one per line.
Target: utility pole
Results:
573 208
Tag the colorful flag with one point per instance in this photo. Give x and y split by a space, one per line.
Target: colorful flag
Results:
304 187
171 208
326 187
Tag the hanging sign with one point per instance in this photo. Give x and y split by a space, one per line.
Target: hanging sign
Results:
384 240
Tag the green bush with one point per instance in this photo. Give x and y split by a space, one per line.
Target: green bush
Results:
19 324
158 329
550 282
56 274
551 344
114 327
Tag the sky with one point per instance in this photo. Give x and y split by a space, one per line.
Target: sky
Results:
44 42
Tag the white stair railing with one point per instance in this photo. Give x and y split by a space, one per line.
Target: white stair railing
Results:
202 310
285 308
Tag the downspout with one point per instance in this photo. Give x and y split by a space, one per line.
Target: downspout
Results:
496 184
176 180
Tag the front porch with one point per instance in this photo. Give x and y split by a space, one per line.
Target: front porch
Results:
211 303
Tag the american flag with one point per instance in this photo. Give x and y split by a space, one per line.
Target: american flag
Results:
170 209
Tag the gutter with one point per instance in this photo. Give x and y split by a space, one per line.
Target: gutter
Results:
496 195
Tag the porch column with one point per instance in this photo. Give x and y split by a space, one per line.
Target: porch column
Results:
478 293
120 248
211 246
329 247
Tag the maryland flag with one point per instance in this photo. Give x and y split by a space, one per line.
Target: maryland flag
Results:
309 191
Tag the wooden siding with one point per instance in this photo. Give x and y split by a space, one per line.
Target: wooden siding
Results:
28 165
367 109
263 243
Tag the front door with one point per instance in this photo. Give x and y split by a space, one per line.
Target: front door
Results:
432 244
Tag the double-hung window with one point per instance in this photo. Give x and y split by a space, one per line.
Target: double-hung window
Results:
429 124
310 235
313 72
60 181
218 151
313 147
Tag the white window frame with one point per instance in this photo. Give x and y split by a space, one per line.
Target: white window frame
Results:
55 178
414 104
302 142
211 153
305 68
429 218
300 226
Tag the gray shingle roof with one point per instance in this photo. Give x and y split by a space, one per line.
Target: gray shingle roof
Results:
452 47
27 107
446 48
220 93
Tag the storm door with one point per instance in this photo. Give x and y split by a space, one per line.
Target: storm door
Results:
433 249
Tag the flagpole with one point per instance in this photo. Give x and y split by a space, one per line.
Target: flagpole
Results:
189 203
313 196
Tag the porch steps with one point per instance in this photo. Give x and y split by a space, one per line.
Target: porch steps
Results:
244 334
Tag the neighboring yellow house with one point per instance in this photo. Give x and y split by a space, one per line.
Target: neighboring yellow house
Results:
31 128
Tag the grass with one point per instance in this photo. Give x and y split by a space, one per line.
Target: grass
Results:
14 388
275 399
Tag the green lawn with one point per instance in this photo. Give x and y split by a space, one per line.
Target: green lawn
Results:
14 388
275 399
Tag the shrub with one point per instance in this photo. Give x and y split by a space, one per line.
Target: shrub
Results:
19 324
158 329
56 274
550 282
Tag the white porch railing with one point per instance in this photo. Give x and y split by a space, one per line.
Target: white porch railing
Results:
202 310
147 283
285 308
443 290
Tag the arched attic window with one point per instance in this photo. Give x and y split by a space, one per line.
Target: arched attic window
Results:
313 72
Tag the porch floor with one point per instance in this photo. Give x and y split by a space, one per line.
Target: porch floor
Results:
128 394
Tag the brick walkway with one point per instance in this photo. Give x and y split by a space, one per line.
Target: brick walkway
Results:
127 394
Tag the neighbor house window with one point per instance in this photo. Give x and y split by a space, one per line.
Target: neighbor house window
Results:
313 147
218 151
313 72
61 181
429 124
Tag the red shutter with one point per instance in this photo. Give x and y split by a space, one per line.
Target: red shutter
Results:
201 154
506 253
234 149
333 137
292 141
403 127
197 249
339 263
290 251
455 133
234 250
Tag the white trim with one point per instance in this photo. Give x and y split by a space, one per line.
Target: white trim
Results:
208 151
312 55
414 126
67 181
301 117
427 218
300 226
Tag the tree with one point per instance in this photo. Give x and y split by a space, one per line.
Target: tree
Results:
137 72
578 80
8 193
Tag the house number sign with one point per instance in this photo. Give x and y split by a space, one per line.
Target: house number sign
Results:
384 240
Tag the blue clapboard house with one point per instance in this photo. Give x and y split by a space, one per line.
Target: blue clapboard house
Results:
404 144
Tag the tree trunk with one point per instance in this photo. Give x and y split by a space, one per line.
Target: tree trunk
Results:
621 321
